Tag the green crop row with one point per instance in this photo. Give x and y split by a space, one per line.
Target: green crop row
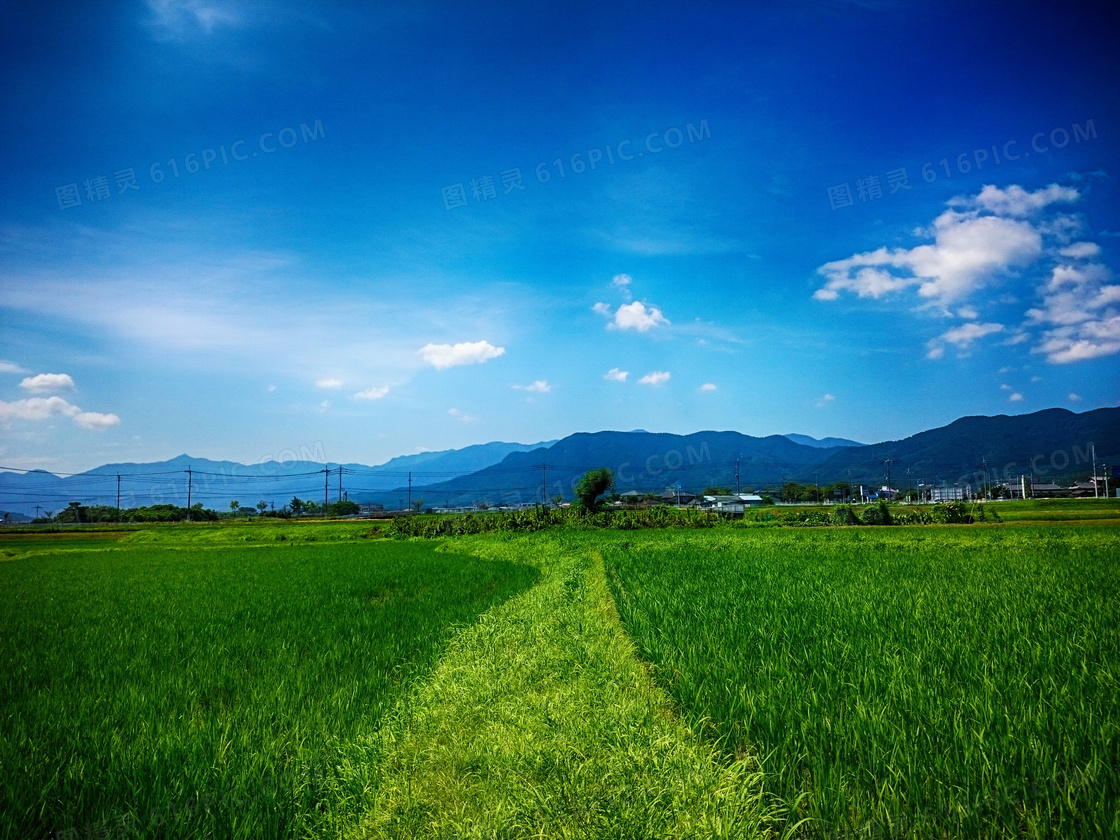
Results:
918 683
540 519
156 692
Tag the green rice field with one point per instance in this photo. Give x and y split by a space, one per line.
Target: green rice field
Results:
160 692
319 680
910 682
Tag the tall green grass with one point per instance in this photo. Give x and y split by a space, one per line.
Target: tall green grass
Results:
912 683
225 692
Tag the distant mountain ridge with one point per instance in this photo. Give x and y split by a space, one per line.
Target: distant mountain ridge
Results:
1050 444
1053 443
216 483
823 443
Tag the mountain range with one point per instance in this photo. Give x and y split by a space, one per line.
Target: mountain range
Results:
1052 444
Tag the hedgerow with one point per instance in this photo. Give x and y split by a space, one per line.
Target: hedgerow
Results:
430 526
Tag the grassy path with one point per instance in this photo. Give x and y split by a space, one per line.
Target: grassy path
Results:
540 721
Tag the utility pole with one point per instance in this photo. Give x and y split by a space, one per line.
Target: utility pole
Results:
849 486
118 496
1096 490
37 511
340 482
326 489
817 482
888 463
737 457
410 489
909 485
1105 467
544 486
189 483
987 481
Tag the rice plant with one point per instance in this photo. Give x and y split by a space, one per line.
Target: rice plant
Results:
156 692
931 682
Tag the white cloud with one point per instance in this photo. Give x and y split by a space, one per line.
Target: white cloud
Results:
374 393
271 388
969 251
1081 250
965 334
95 420
459 415
622 281
981 238
1036 379
45 382
602 309
1017 202
442 356
540 386
657 377
708 386
324 405
616 375
329 383
961 336
636 316
11 367
1005 387
1074 398
176 20
1080 312
825 400
37 409
1016 397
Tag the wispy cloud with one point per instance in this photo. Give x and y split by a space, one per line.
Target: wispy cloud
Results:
328 382
11 367
540 386
616 375
657 377
622 282
1081 313
374 393
37 409
461 416
825 400
707 387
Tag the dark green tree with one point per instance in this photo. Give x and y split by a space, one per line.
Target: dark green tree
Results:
593 485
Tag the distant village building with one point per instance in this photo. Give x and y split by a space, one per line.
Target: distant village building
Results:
945 494
733 505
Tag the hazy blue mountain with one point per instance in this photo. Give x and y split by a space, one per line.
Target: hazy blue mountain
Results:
1055 443
216 483
823 443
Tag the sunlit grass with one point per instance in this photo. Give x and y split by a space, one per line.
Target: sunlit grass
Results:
930 682
187 693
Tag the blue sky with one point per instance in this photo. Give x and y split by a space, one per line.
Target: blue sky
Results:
372 229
